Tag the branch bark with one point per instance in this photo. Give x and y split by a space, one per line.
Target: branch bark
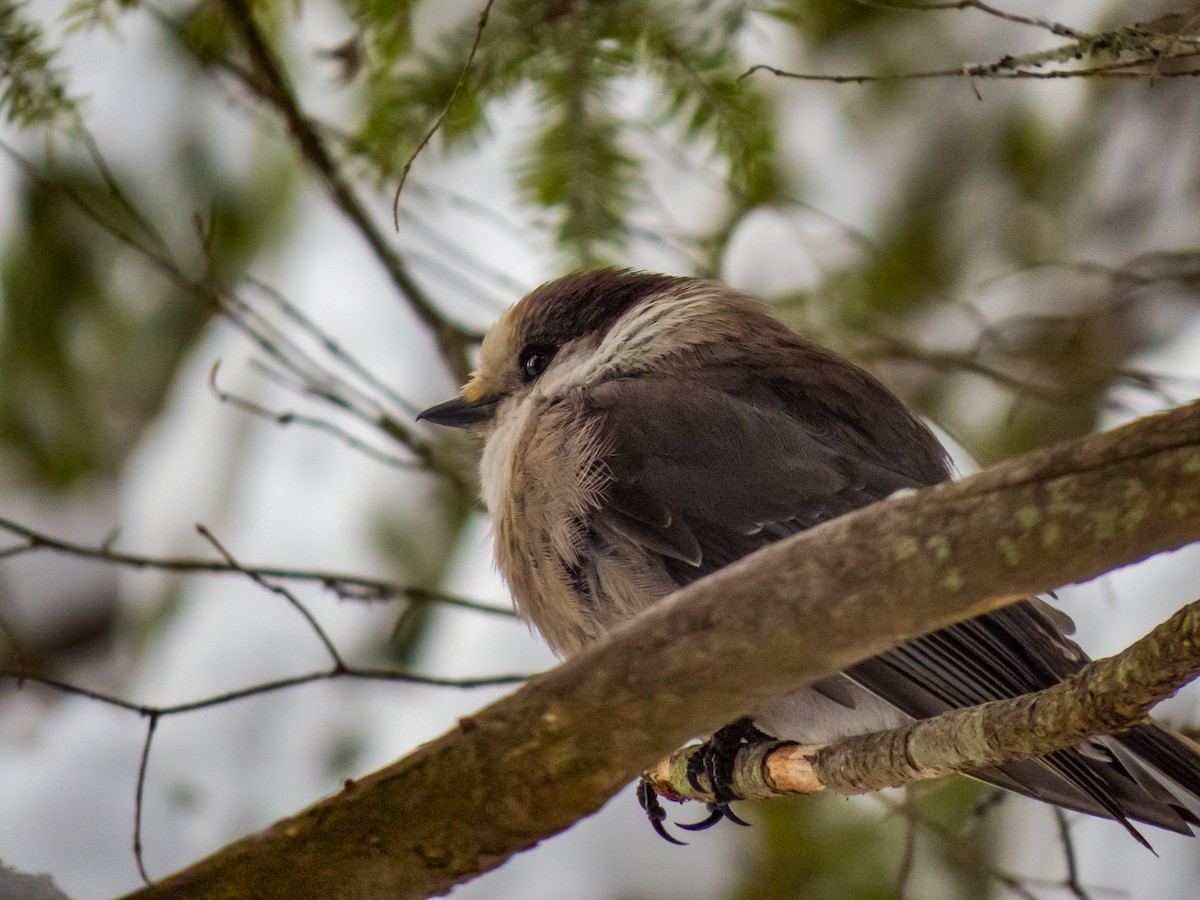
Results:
797 611
1105 697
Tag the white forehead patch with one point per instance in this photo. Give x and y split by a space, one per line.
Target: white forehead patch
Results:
644 335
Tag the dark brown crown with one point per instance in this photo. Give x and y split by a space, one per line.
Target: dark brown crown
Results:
583 303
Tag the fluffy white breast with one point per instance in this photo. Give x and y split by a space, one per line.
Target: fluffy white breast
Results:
495 466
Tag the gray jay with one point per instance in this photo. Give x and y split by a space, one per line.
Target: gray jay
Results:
641 431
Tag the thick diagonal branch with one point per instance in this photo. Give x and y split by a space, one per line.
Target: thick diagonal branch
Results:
1105 697
793 613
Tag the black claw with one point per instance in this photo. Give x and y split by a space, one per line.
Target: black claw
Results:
662 832
648 798
714 760
715 815
729 814
713 763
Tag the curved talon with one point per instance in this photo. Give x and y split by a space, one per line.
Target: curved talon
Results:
716 812
662 832
715 815
648 798
731 816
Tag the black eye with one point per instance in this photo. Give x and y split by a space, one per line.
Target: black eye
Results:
534 359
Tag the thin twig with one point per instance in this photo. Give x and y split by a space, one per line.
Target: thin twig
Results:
155 713
957 849
1068 845
331 346
462 77
289 417
273 87
279 590
261 688
907 858
315 379
345 585
143 764
998 71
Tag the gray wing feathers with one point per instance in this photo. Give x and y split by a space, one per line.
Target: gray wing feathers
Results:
751 474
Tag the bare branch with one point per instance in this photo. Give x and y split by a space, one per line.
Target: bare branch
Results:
140 796
154 714
554 751
437 123
1135 51
1105 697
1068 844
273 87
288 417
1002 71
345 585
339 664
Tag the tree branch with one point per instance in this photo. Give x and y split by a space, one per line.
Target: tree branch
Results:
345 585
796 611
1106 696
272 85
1129 51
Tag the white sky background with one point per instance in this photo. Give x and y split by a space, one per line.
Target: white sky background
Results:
67 769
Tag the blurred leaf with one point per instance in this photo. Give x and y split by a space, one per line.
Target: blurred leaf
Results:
700 72
52 286
32 90
821 21
89 333
387 24
408 87
823 847
577 58
576 164
82 15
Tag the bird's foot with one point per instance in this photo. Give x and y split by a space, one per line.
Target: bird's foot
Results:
714 760
648 798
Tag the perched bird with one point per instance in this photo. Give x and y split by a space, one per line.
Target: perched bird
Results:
642 431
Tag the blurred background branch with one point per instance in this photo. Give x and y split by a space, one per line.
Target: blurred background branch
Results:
203 319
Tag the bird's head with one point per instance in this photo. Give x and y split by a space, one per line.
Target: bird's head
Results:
580 330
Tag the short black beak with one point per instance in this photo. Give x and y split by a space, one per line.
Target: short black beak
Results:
460 413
